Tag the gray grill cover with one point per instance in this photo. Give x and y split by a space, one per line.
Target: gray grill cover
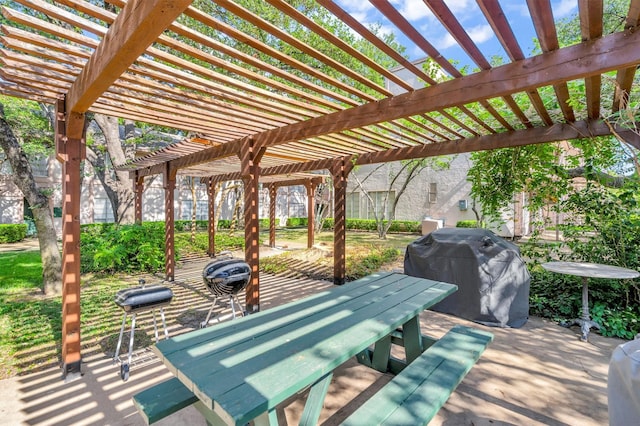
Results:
493 281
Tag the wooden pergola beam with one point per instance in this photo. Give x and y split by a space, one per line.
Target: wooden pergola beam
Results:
613 52
137 26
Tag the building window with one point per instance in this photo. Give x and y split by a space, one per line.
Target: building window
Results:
433 192
40 166
353 205
102 210
202 210
379 205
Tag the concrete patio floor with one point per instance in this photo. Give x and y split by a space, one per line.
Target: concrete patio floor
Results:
540 374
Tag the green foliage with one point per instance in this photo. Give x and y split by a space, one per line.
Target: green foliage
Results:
109 248
12 233
295 222
370 225
186 247
30 124
185 225
622 322
467 224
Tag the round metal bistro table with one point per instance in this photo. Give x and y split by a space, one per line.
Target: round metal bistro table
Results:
586 271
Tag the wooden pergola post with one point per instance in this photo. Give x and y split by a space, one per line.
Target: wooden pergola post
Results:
70 151
273 193
138 182
169 222
250 156
340 171
211 192
311 185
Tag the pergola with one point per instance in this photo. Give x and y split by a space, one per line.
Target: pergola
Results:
296 103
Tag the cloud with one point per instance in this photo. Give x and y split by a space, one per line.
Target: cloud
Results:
564 8
413 10
359 7
481 33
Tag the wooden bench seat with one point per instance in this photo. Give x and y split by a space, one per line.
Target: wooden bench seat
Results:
415 395
163 399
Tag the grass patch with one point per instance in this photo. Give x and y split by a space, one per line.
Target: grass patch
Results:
20 270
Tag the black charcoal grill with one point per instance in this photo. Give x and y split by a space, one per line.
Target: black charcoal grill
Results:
133 301
225 277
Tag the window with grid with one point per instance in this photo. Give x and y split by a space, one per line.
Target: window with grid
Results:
102 211
353 205
378 198
433 192
202 210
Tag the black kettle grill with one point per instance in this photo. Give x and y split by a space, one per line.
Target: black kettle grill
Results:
225 277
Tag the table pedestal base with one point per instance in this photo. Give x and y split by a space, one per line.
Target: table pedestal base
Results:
585 326
585 322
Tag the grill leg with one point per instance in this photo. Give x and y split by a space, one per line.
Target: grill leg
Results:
116 354
155 325
164 324
204 323
233 309
133 328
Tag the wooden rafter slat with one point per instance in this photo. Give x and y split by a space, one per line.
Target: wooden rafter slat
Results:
624 77
582 60
135 29
591 27
416 37
282 35
449 21
98 30
122 92
203 40
63 53
495 16
542 17
336 41
177 76
253 93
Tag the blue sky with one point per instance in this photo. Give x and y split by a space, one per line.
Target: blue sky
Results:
469 15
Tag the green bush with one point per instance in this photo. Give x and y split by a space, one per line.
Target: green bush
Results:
12 233
370 225
467 224
110 248
185 225
297 222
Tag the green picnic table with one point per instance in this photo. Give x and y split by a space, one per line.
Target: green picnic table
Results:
241 370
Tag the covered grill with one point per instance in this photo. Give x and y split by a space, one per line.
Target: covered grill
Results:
225 277
493 280
133 301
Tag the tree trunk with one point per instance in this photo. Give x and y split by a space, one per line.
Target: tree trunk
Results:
39 203
118 185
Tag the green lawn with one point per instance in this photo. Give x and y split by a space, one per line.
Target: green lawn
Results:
20 270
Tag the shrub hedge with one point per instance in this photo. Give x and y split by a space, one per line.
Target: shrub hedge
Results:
108 248
12 233
466 224
370 225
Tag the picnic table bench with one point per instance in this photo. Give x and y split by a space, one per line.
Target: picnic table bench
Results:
241 370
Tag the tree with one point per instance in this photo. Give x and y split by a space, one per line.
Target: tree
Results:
399 179
33 128
105 152
547 172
